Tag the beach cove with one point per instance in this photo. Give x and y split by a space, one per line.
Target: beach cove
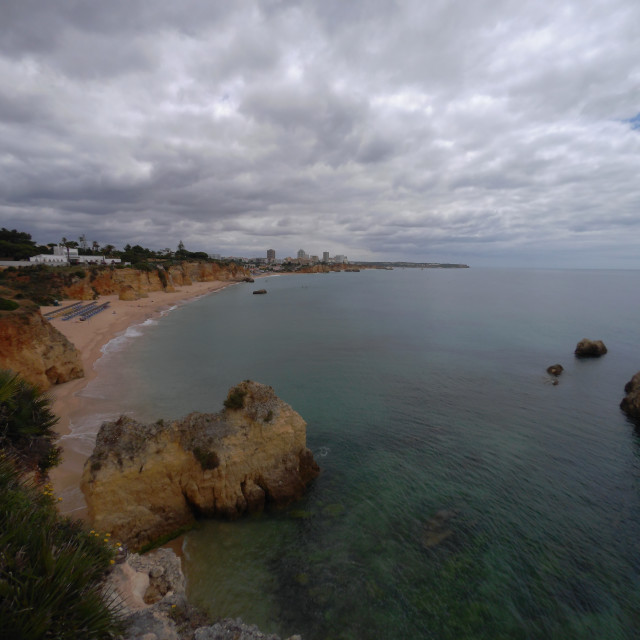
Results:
91 337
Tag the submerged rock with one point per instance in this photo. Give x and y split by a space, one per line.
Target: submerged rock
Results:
590 348
631 402
436 529
229 629
259 291
146 481
555 369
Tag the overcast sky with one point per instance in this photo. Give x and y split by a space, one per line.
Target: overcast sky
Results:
491 132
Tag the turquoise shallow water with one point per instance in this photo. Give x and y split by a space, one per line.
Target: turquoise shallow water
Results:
424 392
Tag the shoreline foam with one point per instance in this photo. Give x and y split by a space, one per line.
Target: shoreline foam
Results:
92 338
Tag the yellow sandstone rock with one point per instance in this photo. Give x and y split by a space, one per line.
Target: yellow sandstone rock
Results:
37 350
146 481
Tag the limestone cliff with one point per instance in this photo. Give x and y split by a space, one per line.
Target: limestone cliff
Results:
32 347
144 481
132 284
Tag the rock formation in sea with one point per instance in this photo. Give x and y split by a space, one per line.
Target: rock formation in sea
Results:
631 402
32 347
555 369
146 481
590 348
150 591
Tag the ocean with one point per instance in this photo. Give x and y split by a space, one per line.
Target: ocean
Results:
462 495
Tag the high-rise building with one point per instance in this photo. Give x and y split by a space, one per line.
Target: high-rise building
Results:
325 256
271 255
302 253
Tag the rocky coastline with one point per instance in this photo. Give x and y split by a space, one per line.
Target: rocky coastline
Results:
143 482
149 591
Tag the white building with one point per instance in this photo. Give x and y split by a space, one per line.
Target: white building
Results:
63 256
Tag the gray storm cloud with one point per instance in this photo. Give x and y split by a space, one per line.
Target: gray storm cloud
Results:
495 132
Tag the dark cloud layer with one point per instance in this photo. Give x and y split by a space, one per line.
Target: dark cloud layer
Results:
496 132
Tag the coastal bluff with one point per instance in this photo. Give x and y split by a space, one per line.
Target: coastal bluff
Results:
146 481
32 347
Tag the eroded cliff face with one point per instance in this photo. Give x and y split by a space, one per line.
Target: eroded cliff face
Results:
32 347
144 481
131 284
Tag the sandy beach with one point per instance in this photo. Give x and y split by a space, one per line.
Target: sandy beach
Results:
89 337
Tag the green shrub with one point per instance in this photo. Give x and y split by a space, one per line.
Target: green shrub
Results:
80 273
8 305
208 459
51 569
26 423
235 399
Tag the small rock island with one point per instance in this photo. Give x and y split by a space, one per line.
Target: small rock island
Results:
631 402
146 481
590 348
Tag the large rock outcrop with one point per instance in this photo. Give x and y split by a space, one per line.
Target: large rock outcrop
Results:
631 402
590 348
144 481
34 348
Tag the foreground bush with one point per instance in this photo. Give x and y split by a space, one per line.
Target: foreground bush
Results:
26 423
50 569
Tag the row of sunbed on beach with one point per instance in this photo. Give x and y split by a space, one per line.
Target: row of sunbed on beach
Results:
94 311
62 311
77 310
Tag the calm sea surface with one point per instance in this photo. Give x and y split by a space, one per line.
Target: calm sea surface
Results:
462 495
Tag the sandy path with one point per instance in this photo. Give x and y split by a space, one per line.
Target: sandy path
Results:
89 337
